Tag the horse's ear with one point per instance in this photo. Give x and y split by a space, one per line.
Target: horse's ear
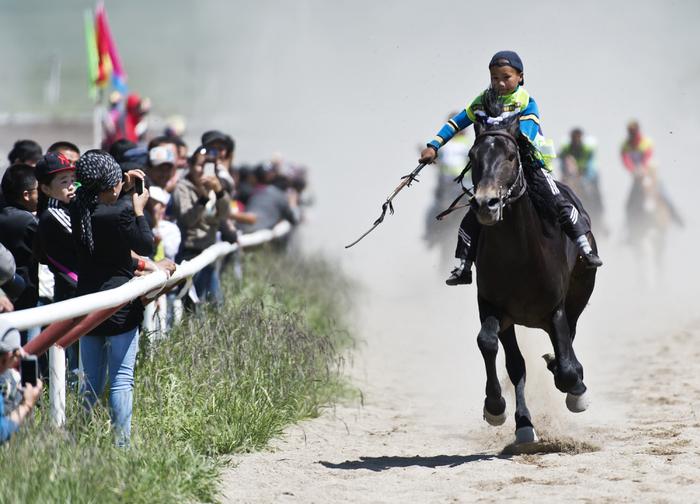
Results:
478 128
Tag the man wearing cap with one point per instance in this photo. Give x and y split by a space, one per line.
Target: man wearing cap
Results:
161 166
10 353
220 148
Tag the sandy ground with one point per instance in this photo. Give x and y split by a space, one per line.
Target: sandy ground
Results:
418 435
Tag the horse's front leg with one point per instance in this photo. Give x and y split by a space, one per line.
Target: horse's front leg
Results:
565 366
515 365
494 404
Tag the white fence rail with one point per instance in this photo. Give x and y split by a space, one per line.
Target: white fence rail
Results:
148 285
154 282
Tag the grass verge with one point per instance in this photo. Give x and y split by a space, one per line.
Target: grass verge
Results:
224 381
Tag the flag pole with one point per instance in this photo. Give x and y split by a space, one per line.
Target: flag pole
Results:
97 121
93 74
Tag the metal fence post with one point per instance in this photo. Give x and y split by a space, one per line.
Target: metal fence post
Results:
57 385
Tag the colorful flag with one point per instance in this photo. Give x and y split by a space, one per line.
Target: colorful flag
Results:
92 58
106 43
109 62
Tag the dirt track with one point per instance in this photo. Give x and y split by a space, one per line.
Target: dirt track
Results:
420 438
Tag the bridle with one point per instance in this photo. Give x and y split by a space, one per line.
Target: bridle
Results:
507 197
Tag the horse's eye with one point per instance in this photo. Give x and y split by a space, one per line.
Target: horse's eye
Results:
511 157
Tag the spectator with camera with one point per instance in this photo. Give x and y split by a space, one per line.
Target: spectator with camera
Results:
220 148
112 241
200 205
12 417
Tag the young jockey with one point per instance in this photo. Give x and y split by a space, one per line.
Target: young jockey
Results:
506 70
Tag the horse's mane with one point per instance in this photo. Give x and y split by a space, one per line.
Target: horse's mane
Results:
493 106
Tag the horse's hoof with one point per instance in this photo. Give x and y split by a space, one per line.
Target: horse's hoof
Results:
525 435
577 403
494 420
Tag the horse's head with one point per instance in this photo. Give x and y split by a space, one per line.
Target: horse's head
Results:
495 168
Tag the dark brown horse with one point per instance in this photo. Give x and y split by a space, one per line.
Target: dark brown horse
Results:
528 273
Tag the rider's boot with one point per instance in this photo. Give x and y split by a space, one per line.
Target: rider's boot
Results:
461 275
590 258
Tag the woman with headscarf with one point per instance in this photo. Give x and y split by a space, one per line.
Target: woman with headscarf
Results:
111 241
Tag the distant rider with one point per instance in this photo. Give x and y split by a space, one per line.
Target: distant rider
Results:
580 170
637 151
578 156
637 157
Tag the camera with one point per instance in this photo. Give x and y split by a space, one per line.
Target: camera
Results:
210 153
29 370
209 166
138 185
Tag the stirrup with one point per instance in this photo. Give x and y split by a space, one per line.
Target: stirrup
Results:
592 260
460 276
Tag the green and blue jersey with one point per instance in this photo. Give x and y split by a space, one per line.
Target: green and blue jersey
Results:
519 102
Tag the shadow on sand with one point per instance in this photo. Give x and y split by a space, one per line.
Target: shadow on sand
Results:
541 447
383 463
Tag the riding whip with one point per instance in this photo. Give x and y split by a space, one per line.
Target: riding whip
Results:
406 181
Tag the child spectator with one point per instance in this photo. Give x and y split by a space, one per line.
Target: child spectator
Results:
167 234
55 247
54 244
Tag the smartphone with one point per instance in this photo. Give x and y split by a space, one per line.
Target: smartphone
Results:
209 169
29 370
138 185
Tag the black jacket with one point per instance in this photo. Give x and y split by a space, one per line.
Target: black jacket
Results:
116 232
55 248
18 228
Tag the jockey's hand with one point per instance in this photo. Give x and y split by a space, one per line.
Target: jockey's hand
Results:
427 156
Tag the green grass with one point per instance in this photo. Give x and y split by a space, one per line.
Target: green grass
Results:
225 381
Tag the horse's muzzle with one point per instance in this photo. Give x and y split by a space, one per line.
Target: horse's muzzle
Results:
488 209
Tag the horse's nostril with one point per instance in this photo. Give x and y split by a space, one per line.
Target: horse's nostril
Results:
492 202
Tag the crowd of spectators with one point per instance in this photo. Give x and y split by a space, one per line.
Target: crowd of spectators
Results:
74 224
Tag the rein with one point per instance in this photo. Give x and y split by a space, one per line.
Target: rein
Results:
505 199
